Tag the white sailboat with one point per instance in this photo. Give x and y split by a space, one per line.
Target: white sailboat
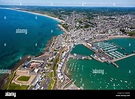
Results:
81 87
36 44
129 44
83 84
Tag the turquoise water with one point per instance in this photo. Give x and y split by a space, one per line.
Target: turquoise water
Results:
83 51
20 44
112 78
127 43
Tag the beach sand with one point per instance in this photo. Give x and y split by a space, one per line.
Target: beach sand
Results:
36 14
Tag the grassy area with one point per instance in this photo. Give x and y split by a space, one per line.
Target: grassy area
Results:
10 78
24 78
52 82
55 64
51 74
54 72
50 86
131 33
13 86
55 83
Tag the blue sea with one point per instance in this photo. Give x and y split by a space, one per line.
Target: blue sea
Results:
14 45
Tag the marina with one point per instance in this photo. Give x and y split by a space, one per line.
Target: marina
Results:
112 78
110 49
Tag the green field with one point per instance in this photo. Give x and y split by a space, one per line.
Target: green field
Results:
13 86
24 78
50 86
51 74
52 82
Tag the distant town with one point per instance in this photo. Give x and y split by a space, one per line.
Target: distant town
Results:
48 70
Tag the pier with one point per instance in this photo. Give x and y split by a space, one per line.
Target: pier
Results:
88 46
72 87
123 57
96 58
110 49
115 65
75 56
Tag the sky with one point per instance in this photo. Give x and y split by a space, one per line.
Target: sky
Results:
115 3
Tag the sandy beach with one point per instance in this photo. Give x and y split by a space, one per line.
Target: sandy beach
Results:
62 28
118 36
41 15
35 14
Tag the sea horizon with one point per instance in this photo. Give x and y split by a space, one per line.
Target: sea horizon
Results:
3 6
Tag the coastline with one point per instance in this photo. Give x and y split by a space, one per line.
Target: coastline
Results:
30 12
123 36
4 78
62 28
49 42
40 15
